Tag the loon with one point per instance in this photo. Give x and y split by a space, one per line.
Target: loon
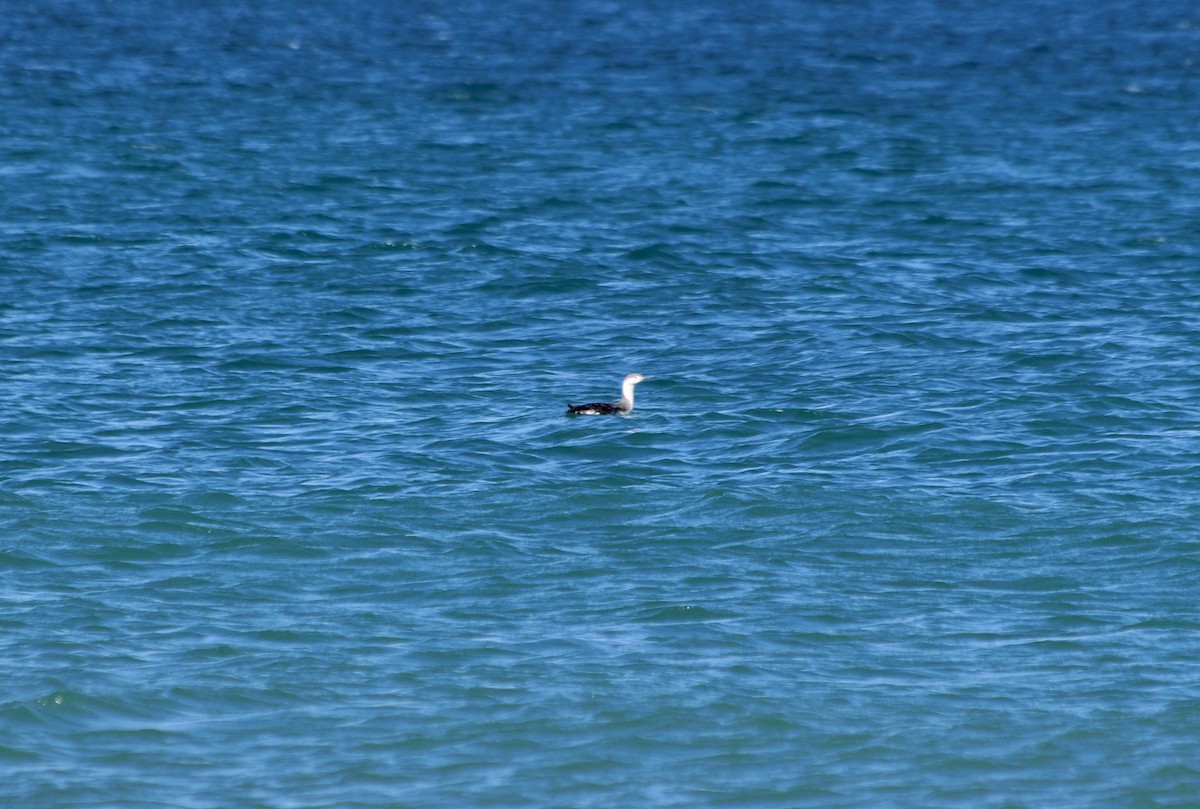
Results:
610 408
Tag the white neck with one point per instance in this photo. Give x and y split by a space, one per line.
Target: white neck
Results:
627 394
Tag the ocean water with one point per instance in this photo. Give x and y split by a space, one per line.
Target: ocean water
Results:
292 297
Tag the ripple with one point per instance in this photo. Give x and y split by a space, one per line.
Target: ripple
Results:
287 487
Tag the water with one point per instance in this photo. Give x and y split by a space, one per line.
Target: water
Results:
291 302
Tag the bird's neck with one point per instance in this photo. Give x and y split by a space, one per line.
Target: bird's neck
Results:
627 395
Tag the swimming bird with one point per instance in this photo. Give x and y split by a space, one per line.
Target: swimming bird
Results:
610 408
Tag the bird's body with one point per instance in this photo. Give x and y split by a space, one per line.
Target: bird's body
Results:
597 409
620 408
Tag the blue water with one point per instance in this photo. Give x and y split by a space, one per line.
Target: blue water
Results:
292 297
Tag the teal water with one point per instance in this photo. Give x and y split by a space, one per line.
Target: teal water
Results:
291 303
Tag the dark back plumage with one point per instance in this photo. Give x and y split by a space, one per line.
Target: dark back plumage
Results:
595 409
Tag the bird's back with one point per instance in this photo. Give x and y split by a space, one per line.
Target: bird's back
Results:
595 409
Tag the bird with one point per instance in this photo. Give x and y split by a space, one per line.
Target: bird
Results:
620 408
